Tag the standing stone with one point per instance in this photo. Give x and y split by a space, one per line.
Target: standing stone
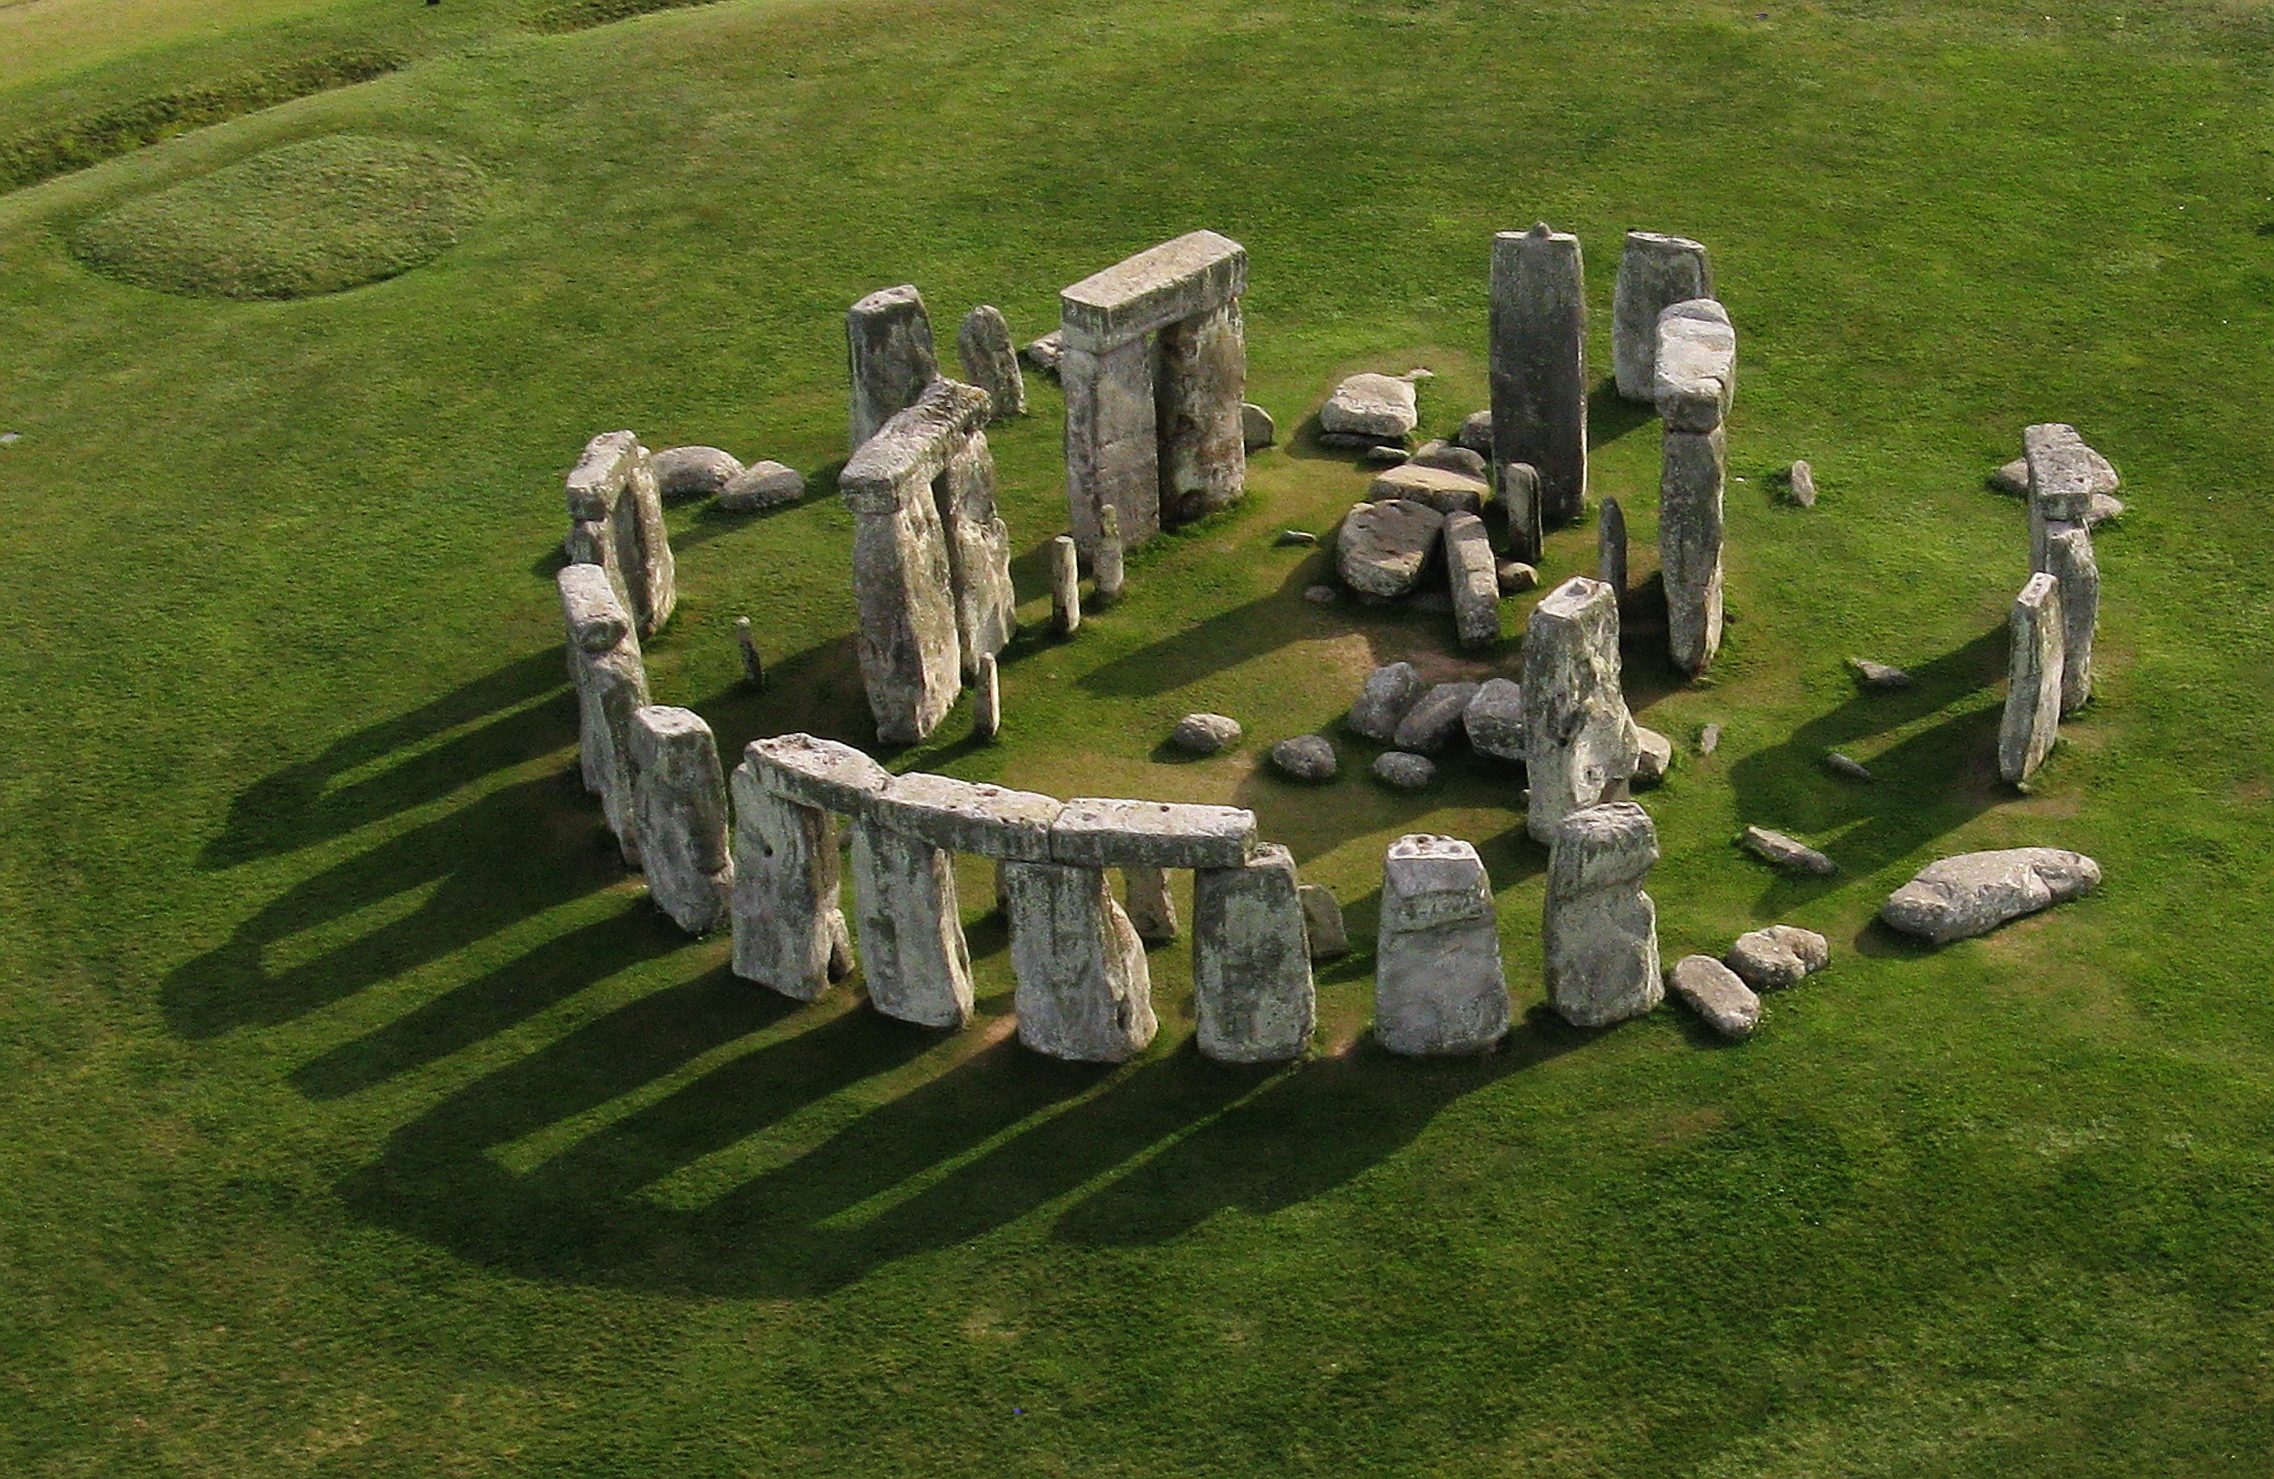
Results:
1601 930
888 339
1579 740
1197 389
616 515
1476 433
1800 484
990 362
913 955
679 801
987 701
1251 961
978 551
753 666
2033 669
611 686
1084 992
1324 929
1475 581
2069 560
1065 586
1611 546
788 924
1151 907
1108 572
1655 272
1690 511
1539 370
2064 476
1518 497
1112 447
1438 983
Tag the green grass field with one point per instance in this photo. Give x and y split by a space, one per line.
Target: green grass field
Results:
364 1117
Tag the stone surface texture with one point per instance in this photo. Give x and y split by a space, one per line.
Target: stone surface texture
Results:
1439 987
617 508
976 817
983 345
1600 931
2064 476
1655 273
1712 990
1779 956
1800 484
693 472
1785 852
1323 925
1539 375
1494 720
1383 549
913 956
818 772
680 810
1579 740
1251 961
1205 734
1084 992
2070 561
1257 429
2032 719
1447 492
978 550
1435 718
788 923
888 342
1473 580
610 678
1149 904
1878 675
1973 893
1097 832
1696 376
1201 375
1450 457
1381 407
761 485
1692 477
1305 757
1383 699
1402 771
987 700
1654 756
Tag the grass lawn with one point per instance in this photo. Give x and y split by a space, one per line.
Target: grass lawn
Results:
365 1118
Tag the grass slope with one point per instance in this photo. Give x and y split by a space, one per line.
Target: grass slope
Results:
369 1120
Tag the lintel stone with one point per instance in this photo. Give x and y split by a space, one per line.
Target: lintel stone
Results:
818 772
1193 274
964 816
1099 833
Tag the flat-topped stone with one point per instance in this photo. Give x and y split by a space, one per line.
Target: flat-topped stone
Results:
1383 549
1695 377
1452 457
1439 984
599 474
680 807
888 341
1176 280
1443 490
591 610
988 821
1600 932
817 772
1094 832
1973 893
1374 406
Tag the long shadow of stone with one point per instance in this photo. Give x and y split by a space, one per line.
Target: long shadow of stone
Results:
1611 416
1227 639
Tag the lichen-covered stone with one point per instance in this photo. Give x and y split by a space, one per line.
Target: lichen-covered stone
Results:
1435 718
978 550
1473 581
2064 477
1600 933
1692 479
1381 407
1579 740
1476 433
913 956
1973 893
1779 956
1714 992
1800 484
1149 904
1539 371
694 472
983 344
1251 961
1655 273
1494 720
788 922
679 805
1306 757
2032 718
976 817
612 489
1384 548
1097 832
888 341
1439 987
818 772
1388 692
1084 992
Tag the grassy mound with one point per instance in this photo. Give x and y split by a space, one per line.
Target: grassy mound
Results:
307 218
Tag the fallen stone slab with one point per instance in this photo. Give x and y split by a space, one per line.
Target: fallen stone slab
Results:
1383 454
817 772
1434 718
1779 956
1713 991
1878 675
1045 352
1973 893
1252 996
694 472
1454 458
1388 692
1384 548
1306 757
1846 766
1205 734
1439 987
1370 405
1494 720
975 817
1403 772
1472 582
1446 492
761 485
1516 577
1785 852
1095 832
1600 931
1323 924
1289 538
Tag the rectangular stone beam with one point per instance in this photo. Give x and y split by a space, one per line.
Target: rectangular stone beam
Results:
1098 833
1194 274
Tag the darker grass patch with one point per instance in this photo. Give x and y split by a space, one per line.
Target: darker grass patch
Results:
313 217
580 15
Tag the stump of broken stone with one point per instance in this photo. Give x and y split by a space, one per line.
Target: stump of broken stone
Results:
1494 720
990 362
1538 343
1785 852
1251 961
1149 904
1655 273
1439 987
1474 582
1712 990
1611 546
2032 717
1476 433
788 924
1973 893
1654 756
679 804
888 341
611 686
1383 549
1065 587
694 472
1780 956
1600 931
1257 429
1879 676
1517 495
1375 407
1109 569
1383 700
746 642
1579 740
1044 353
1323 925
2069 560
1800 485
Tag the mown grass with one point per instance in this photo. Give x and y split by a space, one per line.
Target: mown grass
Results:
368 1119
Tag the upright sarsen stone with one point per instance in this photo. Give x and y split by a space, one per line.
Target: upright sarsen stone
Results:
1151 907
1655 272
788 923
2069 560
2033 696
611 686
1611 547
616 521
679 801
1202 375
1251 961
888 341
978 551
1600 933
1084 992
1579 740
991 361
913 955
1438 983
1692 479
1065 586
1539 370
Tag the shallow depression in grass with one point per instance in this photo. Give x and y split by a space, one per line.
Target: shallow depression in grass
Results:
313 217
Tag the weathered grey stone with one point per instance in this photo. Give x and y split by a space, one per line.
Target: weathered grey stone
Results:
1379 407
693 472
1713 991
1709 739
679 803
974 817
1611 545
1434 718
817 772
1113 448
1516 577
2033 696
1289 538
1323 925
611 685
1402 771
913 956
1476 433
2064 475
1600 932
613 487
761 485
983 344
1388 692
1084 992
1197 387
1446 492
1257 429
1654 756
1321 595
2013 478
1800 484
1777 957
788 924
1094 832
2102 509
1438 983
1846 766
1306 757
753 666
2069 560
888 341
1474 581
987 701
1251 961
1785 852
1494 720
1043 353
1696 375
1179 279
1205 734
1655 273
1973 893
1149 904
978 551
1690 488
1065 586
1579 740
1450 457
1109 572
1878 675
1539 375
1383 549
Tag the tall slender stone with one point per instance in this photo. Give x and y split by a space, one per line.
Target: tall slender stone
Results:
1475 581
1611 547
888 341
616 522
1692 479
1600 932
913 955
1539 370
2035 629
1579 740
1655 272
1150 905
991 361
1084 992
788 923
753 666
1251 961
978 551
1065 586
1517 494
1113 450
1438 982
1107 572
611 686
679 801
2069 560
1197 388
987 701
